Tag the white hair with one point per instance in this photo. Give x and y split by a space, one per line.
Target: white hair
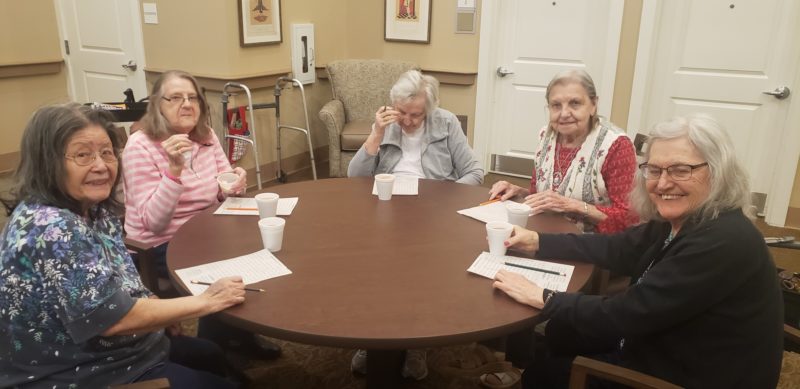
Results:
728 182
412 84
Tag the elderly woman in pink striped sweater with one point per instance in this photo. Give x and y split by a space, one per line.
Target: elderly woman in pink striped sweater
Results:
171 165
170 170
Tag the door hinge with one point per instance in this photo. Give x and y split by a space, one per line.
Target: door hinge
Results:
66 46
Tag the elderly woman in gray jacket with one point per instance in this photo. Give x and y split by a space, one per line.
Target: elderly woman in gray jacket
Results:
414 137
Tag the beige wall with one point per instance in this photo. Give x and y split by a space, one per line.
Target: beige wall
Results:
26 82
204 40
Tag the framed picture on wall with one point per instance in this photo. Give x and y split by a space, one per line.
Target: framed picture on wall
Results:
407 21
259 22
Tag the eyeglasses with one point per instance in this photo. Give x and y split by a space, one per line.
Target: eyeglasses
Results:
86 158
679 172
178 99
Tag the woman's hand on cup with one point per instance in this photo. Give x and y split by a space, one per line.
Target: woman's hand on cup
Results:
523 239
174 146
519 288
224 293
239 186
504 189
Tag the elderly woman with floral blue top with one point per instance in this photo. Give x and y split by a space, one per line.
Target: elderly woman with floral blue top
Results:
73 310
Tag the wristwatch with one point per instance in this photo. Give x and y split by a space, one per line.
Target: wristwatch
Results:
546 294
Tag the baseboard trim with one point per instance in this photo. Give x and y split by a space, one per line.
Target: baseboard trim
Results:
289 165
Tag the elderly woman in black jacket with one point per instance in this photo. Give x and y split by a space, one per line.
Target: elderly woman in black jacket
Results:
704 306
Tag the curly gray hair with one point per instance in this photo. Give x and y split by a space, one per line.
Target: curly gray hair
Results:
412 84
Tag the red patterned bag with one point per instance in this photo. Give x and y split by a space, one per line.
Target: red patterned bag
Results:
237 125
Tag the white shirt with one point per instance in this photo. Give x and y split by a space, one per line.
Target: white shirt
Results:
411 163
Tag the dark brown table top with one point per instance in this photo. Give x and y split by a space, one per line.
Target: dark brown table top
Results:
367 273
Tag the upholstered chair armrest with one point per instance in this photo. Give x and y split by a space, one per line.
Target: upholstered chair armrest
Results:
583 367
332 114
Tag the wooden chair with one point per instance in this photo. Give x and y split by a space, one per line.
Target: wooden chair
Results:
583 367
158 383
145 258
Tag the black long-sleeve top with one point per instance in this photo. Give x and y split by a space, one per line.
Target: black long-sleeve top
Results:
706 314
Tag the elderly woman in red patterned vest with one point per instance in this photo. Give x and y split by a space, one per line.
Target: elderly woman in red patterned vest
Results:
584 164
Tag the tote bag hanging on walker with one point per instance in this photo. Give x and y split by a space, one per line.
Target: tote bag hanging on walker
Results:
237 125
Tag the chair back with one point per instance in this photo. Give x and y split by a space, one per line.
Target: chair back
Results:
363 85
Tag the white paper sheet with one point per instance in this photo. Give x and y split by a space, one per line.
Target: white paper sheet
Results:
403 186
247 206
487 265
255 267
494 212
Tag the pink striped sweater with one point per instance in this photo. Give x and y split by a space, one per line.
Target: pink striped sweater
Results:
156 206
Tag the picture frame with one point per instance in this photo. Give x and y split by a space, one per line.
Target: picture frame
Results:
259 22
407 21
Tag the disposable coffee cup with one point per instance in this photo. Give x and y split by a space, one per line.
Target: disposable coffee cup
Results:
385 185
518 213
227 180
267 204
272 232
496 234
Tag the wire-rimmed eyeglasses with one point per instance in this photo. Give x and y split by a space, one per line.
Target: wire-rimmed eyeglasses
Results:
679 172
179 99
86 158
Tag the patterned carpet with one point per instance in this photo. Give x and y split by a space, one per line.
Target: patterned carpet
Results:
306 366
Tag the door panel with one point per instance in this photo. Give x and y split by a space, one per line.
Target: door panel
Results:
103 35
713 58
535 40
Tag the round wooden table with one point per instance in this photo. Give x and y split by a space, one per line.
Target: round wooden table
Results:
379 275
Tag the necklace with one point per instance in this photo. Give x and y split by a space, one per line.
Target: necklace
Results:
558 172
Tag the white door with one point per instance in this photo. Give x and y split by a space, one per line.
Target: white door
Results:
533 40
717 57
102 36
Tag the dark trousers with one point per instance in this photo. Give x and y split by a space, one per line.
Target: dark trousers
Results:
193 363
562 343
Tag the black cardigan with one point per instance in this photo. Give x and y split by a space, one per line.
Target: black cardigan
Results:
707 314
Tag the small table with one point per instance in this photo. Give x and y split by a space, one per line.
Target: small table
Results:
385 276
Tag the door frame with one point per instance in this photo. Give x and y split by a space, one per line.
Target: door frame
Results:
777 203
488 61
138 41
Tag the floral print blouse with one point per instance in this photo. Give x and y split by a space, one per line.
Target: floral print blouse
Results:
64 280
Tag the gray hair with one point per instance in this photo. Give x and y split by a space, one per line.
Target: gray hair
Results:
728 181
41 171
155 125
412 84
580 77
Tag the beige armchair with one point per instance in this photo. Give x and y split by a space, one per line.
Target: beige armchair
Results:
360 87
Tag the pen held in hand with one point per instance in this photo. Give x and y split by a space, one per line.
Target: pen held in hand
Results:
534 269
196 282
494 200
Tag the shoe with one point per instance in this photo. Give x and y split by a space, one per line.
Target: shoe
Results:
416 365
359 362
501 380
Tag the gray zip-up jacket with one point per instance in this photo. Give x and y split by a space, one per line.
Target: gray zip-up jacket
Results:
445 152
